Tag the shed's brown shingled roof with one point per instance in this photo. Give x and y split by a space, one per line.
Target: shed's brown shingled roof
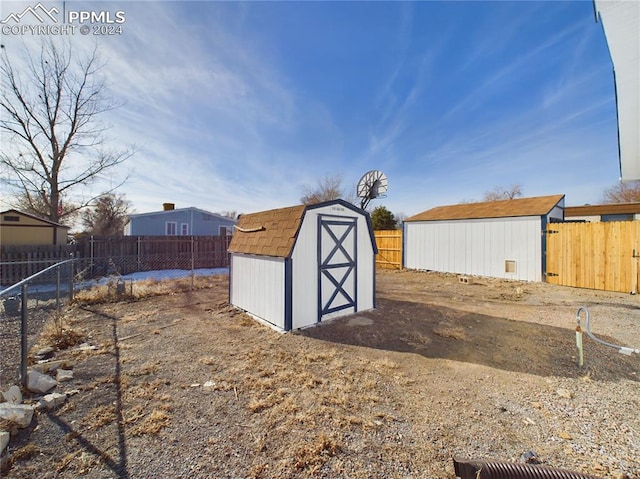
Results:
535 206
269 233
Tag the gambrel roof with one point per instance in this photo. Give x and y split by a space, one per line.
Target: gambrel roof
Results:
274 232
534 206
268 233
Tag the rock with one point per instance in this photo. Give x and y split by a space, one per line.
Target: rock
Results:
40 383
564 393
51 366
52 400
63 375
87 347
72 392
209 386
44 353
4 440
19 414
13 395
565 435
529 457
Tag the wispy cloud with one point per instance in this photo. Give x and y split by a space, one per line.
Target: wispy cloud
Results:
236 106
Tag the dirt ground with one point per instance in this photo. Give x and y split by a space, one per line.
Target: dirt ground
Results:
182 385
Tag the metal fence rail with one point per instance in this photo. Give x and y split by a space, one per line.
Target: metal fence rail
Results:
26 306
129 253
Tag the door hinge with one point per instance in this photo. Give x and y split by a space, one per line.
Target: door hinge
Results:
551 274
550 232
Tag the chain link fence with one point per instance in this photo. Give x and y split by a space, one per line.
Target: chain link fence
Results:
26 305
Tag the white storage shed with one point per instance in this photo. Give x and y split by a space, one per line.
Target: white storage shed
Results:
295 267
501 239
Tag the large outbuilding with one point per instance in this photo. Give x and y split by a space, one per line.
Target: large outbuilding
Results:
295 267
501 239
23 229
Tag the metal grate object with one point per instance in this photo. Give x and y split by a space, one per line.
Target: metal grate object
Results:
474 469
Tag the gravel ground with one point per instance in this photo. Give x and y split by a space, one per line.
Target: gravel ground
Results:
181 385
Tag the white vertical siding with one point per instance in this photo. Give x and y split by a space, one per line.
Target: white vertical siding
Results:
305 274
257 286
305 266
476 247
558 211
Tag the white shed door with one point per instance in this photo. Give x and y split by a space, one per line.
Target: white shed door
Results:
336 265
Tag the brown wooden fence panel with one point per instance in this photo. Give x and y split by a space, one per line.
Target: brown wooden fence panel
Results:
600 256
389 244
19 262
130 254
105 255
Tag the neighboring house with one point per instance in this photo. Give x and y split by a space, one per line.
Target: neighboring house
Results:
501 239
24 229
620 21
596 213
178 222
295 267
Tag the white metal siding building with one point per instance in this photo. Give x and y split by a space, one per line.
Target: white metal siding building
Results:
501 239
295 267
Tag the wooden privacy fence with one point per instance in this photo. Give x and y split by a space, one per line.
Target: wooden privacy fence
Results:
600 256
99 256
19 262
389 244
131 254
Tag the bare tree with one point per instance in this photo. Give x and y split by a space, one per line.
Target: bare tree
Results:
107 215
49 116
501 193
35 205
327 189
233 214
622 193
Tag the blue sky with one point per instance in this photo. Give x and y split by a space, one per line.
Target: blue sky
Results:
238 106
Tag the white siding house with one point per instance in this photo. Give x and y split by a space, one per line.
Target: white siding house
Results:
597 213
621 23
295 267
501 239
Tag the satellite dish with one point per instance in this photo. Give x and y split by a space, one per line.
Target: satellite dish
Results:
373 184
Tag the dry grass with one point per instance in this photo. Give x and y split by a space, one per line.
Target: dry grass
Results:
100 416
151 424
144 289
313 456
26 452
59 333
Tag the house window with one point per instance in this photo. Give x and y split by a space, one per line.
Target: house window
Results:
171 228
12 218
184 229
619 217
223 231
